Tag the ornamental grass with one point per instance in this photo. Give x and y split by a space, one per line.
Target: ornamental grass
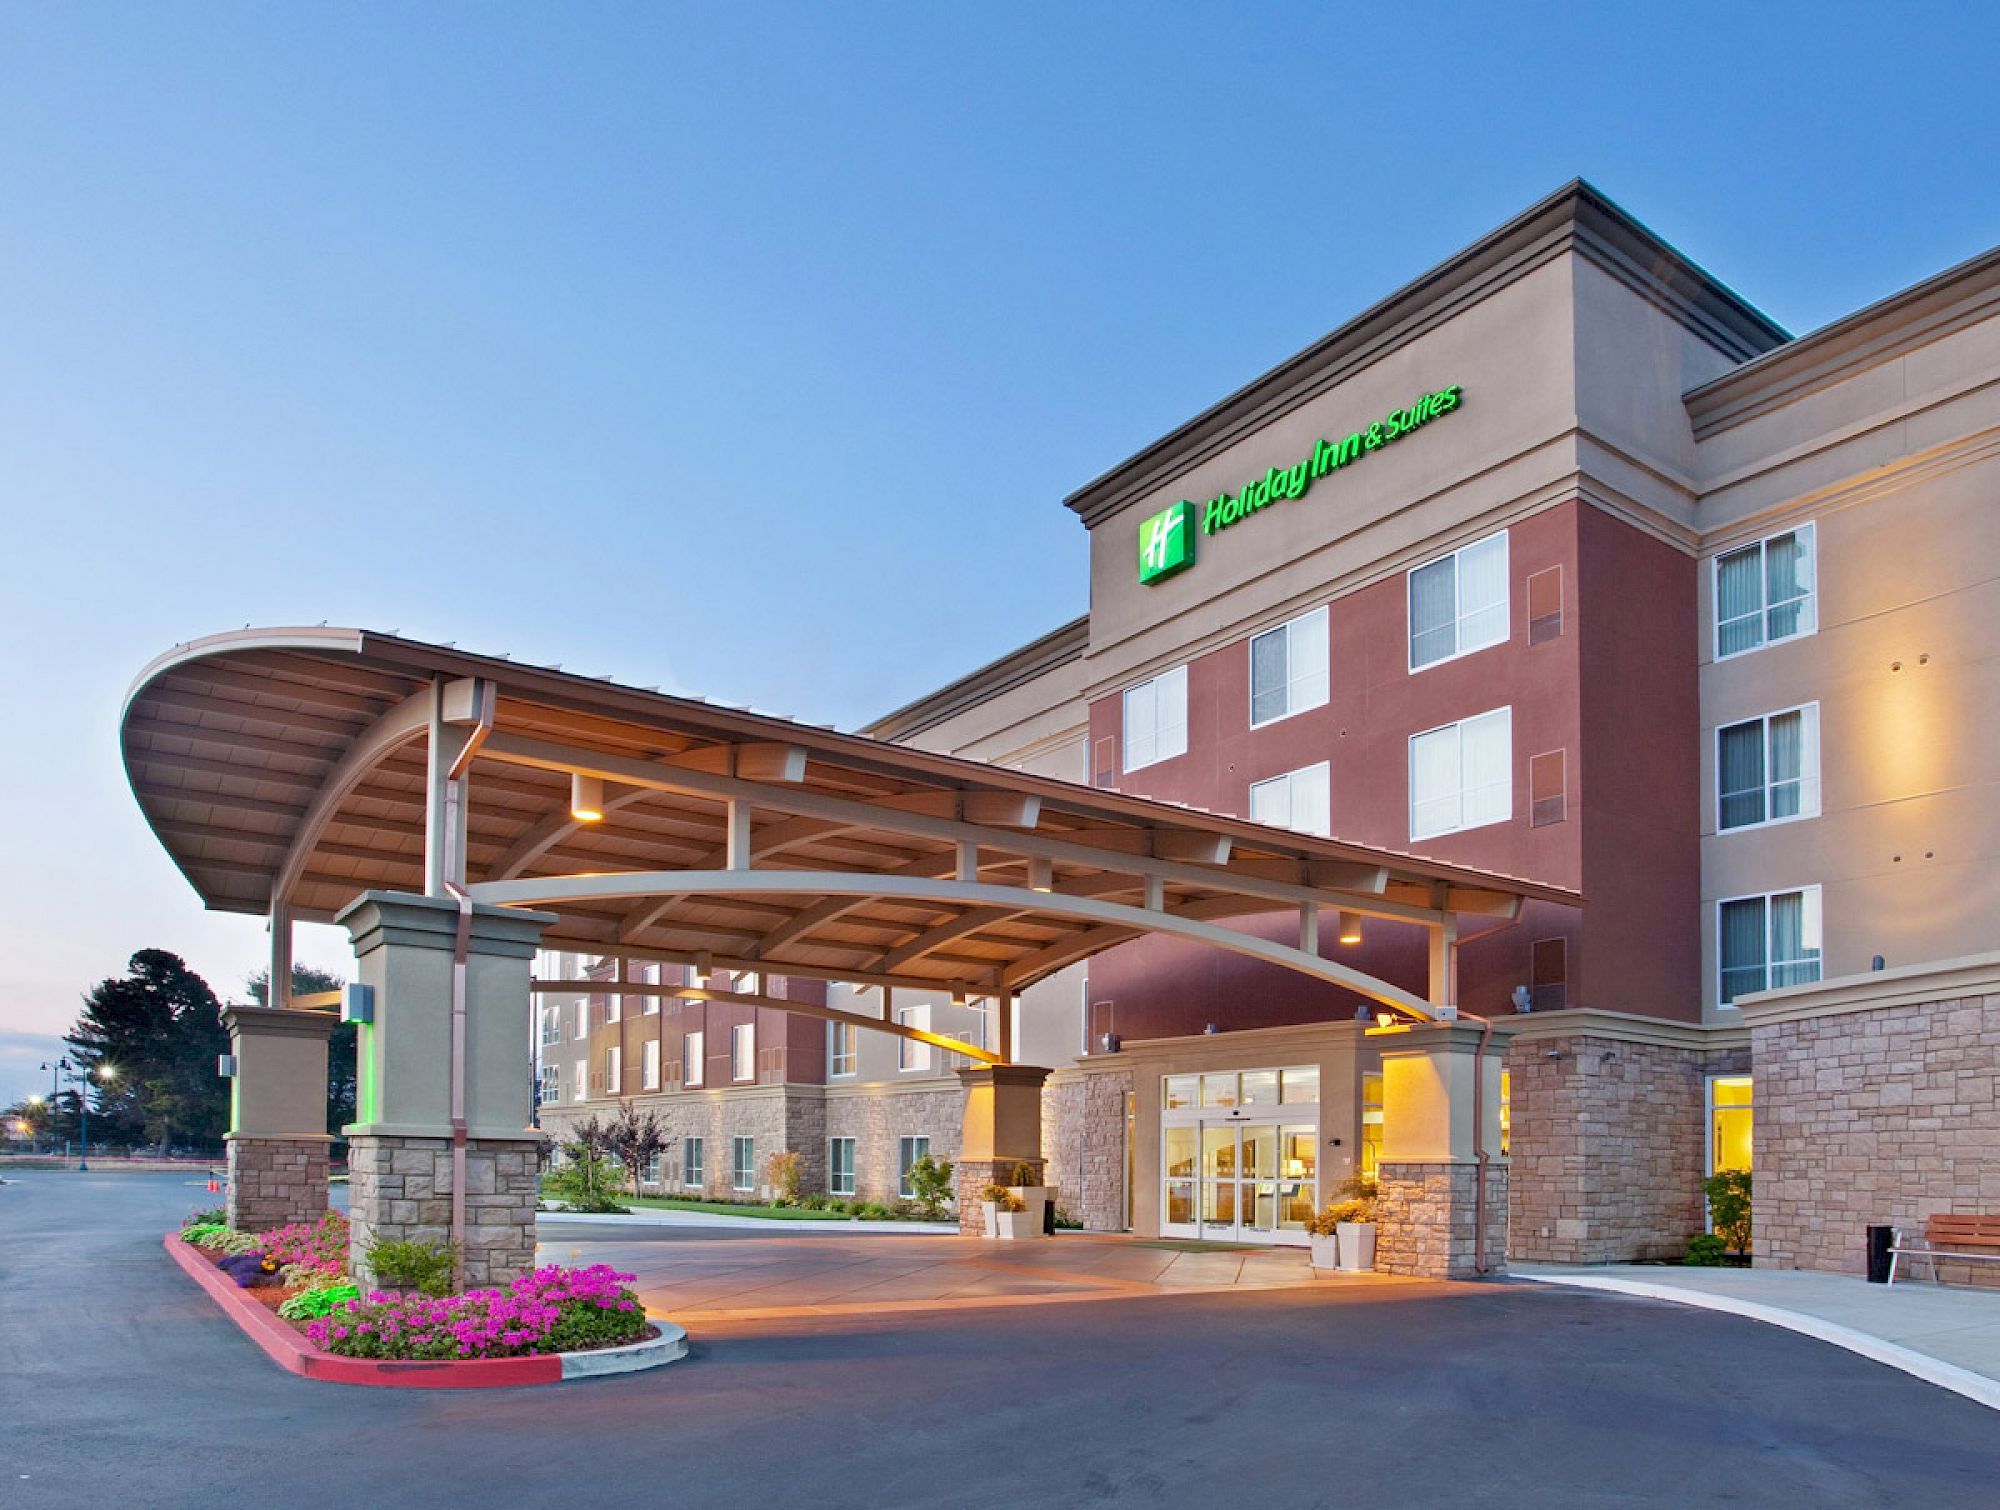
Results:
551 1310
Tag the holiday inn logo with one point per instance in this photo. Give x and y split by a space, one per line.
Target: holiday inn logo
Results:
1166 542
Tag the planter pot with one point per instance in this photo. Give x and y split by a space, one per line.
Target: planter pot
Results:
1034 1199
1357 1246
1325 1251
1011 1226
990 1212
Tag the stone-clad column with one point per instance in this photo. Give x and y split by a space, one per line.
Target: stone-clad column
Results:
400 1146
1429 1173
1003 1127
277 1116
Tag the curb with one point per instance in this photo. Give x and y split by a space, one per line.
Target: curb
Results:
1961 1381
293 1353
846 1228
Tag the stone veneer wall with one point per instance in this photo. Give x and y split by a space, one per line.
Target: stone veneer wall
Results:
1425 1221
877 1116
973 1176
1083 1145
1877 1117
276 1181
1608 1146
399 1190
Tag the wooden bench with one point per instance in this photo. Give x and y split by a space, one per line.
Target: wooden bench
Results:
1944 1234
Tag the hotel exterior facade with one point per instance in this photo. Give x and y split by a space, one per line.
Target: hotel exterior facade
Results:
1561 563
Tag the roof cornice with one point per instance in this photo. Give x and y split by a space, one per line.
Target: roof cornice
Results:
1889 328
1576 218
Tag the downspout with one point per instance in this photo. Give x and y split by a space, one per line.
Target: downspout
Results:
461 946
1479 1141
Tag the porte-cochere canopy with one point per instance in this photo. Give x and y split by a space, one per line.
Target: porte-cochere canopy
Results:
288 770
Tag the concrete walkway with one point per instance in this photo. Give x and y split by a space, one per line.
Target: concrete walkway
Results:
699 1278
1946 1334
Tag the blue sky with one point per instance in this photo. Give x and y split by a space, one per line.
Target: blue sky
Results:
751 349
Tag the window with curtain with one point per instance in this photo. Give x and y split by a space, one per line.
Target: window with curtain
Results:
743 1051
840 1166
694 1058
743 1163
580 1079
909 1150
911 1054
1458 603
843 1048
1301 800
1462 775
1766 592
1288 668
1768 941
614 1071
1767 769
649 1065
1156 719
693 1171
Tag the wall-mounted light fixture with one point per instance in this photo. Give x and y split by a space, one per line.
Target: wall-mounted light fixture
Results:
586 798
1350 928
1041 875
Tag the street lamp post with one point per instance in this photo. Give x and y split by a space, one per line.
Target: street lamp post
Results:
59 1071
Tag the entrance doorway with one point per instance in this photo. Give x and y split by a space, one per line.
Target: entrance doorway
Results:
1239 1155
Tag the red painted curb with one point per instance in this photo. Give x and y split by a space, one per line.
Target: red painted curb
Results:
293 1353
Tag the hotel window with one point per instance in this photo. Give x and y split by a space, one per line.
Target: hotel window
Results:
649 1065
614 1071
582 1072
742 1163
612 1005
1462 776
1458 604
693 1174
840 1166
1301 800
1767 769
1729 1114
649 1005
1156 719
743 1051
580 1023
1766 592
1767 942
908 1151
1288 668
1371 1125
649 1172
551 1026
910 1054
694 1059
550 1088
843 1049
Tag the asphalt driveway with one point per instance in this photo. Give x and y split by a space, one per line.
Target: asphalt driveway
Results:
119 1384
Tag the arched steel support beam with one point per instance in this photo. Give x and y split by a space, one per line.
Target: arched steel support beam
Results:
554 891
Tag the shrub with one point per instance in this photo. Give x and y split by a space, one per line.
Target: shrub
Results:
781 1173
308 1304
215 1217
547 1311
873 1211
1002 1198
584 1182
1729 1207
1022 1174
930 1185
1362 1199
1066 1222
1704 1250
425 1267
204 1234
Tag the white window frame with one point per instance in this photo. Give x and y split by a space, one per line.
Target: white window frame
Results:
551 1027
737 1179
551 1089
1321 772
909 1149
614 1006
1814 903
834 1185
1314 623
740 1056
580 1023
694 1170
1809 619
1460 649
694 1058
836 1033
1809 771
582 1067
1175 681
649 1172
649 975
649 1065
614 1069
1416 836
913 1057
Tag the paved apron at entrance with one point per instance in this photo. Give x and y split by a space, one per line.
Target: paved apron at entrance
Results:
722 1275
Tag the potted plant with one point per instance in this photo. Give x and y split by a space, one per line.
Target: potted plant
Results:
1035 1199
1353 1220
1323 1237
1005 1214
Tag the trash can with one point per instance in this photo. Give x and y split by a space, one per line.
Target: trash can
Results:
1880 1240
1048 1218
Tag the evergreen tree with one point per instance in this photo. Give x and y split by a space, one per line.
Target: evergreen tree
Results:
159 1030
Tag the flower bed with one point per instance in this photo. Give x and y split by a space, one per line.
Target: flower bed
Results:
552 1310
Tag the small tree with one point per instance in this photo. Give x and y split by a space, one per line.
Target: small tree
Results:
632 1138
585 1181
781 1173
930 1185
1728 1195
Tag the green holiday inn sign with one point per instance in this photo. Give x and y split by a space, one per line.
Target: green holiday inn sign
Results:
1166 541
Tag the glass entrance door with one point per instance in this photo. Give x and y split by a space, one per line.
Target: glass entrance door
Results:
1240 1180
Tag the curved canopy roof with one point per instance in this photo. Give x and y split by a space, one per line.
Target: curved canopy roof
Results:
290 767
